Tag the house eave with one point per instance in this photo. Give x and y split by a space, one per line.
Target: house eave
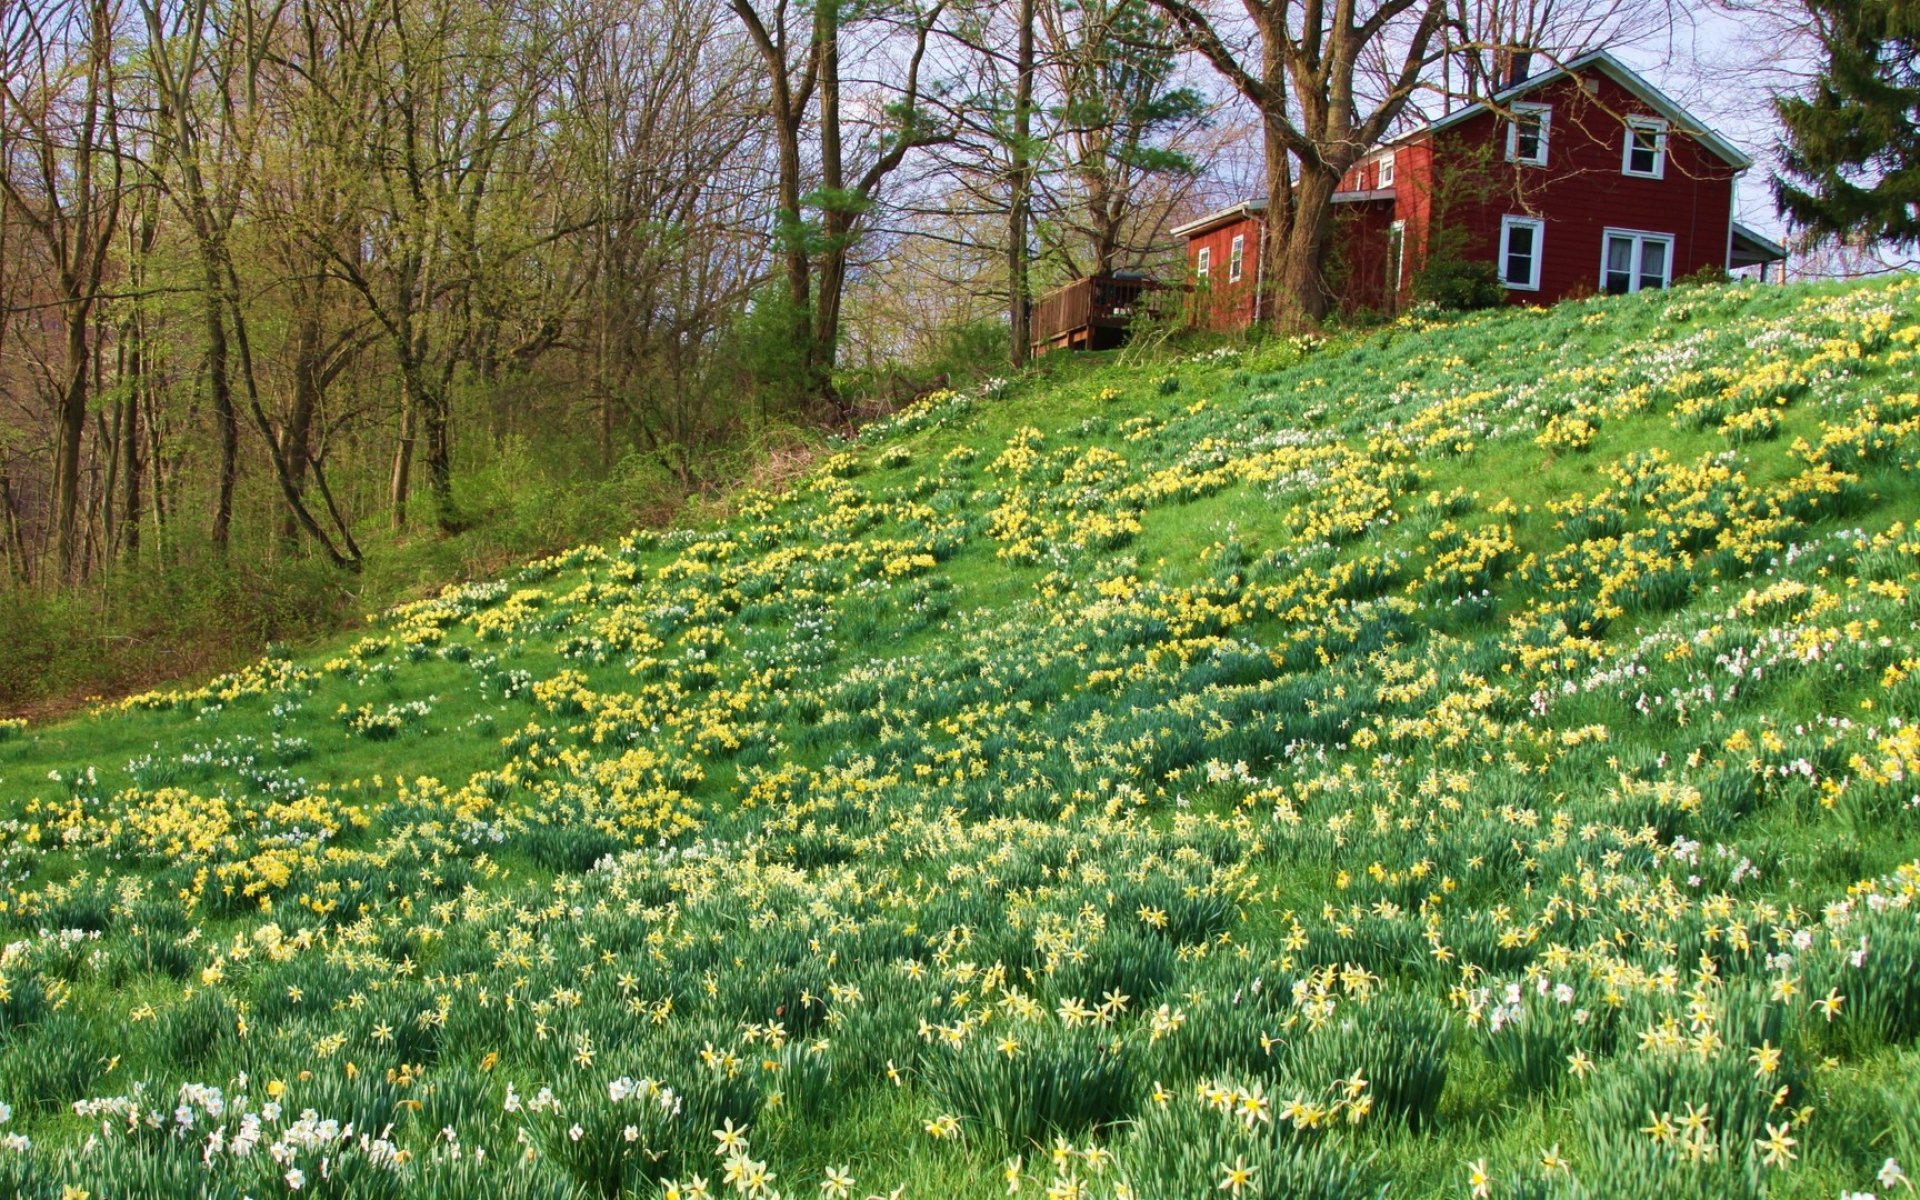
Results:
1224 216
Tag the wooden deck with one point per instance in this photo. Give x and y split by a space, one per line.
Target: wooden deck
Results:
1089 314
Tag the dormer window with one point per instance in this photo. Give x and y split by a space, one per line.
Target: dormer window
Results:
1527 134
1646 148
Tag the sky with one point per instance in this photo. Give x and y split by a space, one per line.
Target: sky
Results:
1725 70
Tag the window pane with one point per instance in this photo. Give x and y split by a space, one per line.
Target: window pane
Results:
1653 263
1526 141
1644 156
1619 266
1519 266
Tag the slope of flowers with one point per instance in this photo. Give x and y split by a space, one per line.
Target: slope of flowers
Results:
1479 760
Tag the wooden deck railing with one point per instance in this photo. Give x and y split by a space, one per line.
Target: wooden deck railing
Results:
1089 314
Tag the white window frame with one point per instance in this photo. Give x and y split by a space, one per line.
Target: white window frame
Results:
1539 227
1639 237
1397 247
1202 262
1545 114
1385 178
1658 128
1236 257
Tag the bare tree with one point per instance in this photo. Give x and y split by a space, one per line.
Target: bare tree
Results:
803 52
1304 69
64 179
1494 43
672 158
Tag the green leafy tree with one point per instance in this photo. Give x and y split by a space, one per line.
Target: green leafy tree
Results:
1122 116
1851 152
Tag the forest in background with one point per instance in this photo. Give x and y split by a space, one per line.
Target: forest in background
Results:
290 288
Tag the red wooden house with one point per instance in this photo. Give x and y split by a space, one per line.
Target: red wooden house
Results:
1584 178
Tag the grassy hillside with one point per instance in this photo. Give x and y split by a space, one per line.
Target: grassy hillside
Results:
1476 760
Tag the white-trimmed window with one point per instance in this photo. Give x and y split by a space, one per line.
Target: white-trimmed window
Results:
1645 152
1203 262
1631 259
1520 239
1236 257
1386 172
1527 134
1396 260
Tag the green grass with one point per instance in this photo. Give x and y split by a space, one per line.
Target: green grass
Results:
1307 767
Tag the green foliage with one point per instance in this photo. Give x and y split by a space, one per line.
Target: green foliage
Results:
1851 153
1454 273
1026 1087
768 346
1398 1043
1458 285
1185 1148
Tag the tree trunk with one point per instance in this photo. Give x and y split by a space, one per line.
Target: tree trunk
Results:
16 546
109 433
333 510
296 438
220 387
1019 287
794 235
72 427
825 349
402 462
156 464
1279 161
130 465
438 421
1300 287
836 217
243 342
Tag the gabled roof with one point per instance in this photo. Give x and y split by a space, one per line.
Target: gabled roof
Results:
1621 74
1221 216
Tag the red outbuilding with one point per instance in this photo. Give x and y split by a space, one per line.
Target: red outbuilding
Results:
1584 178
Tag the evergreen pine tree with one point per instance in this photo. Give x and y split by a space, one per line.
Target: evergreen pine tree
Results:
1851 154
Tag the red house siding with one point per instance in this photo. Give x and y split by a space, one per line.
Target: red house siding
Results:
1361 271
1221 302
1451 187
1413 207
1581 191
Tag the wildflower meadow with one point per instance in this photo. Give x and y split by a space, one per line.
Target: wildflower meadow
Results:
1476 758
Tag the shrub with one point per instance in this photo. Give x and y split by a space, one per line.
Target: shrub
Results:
1458 285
